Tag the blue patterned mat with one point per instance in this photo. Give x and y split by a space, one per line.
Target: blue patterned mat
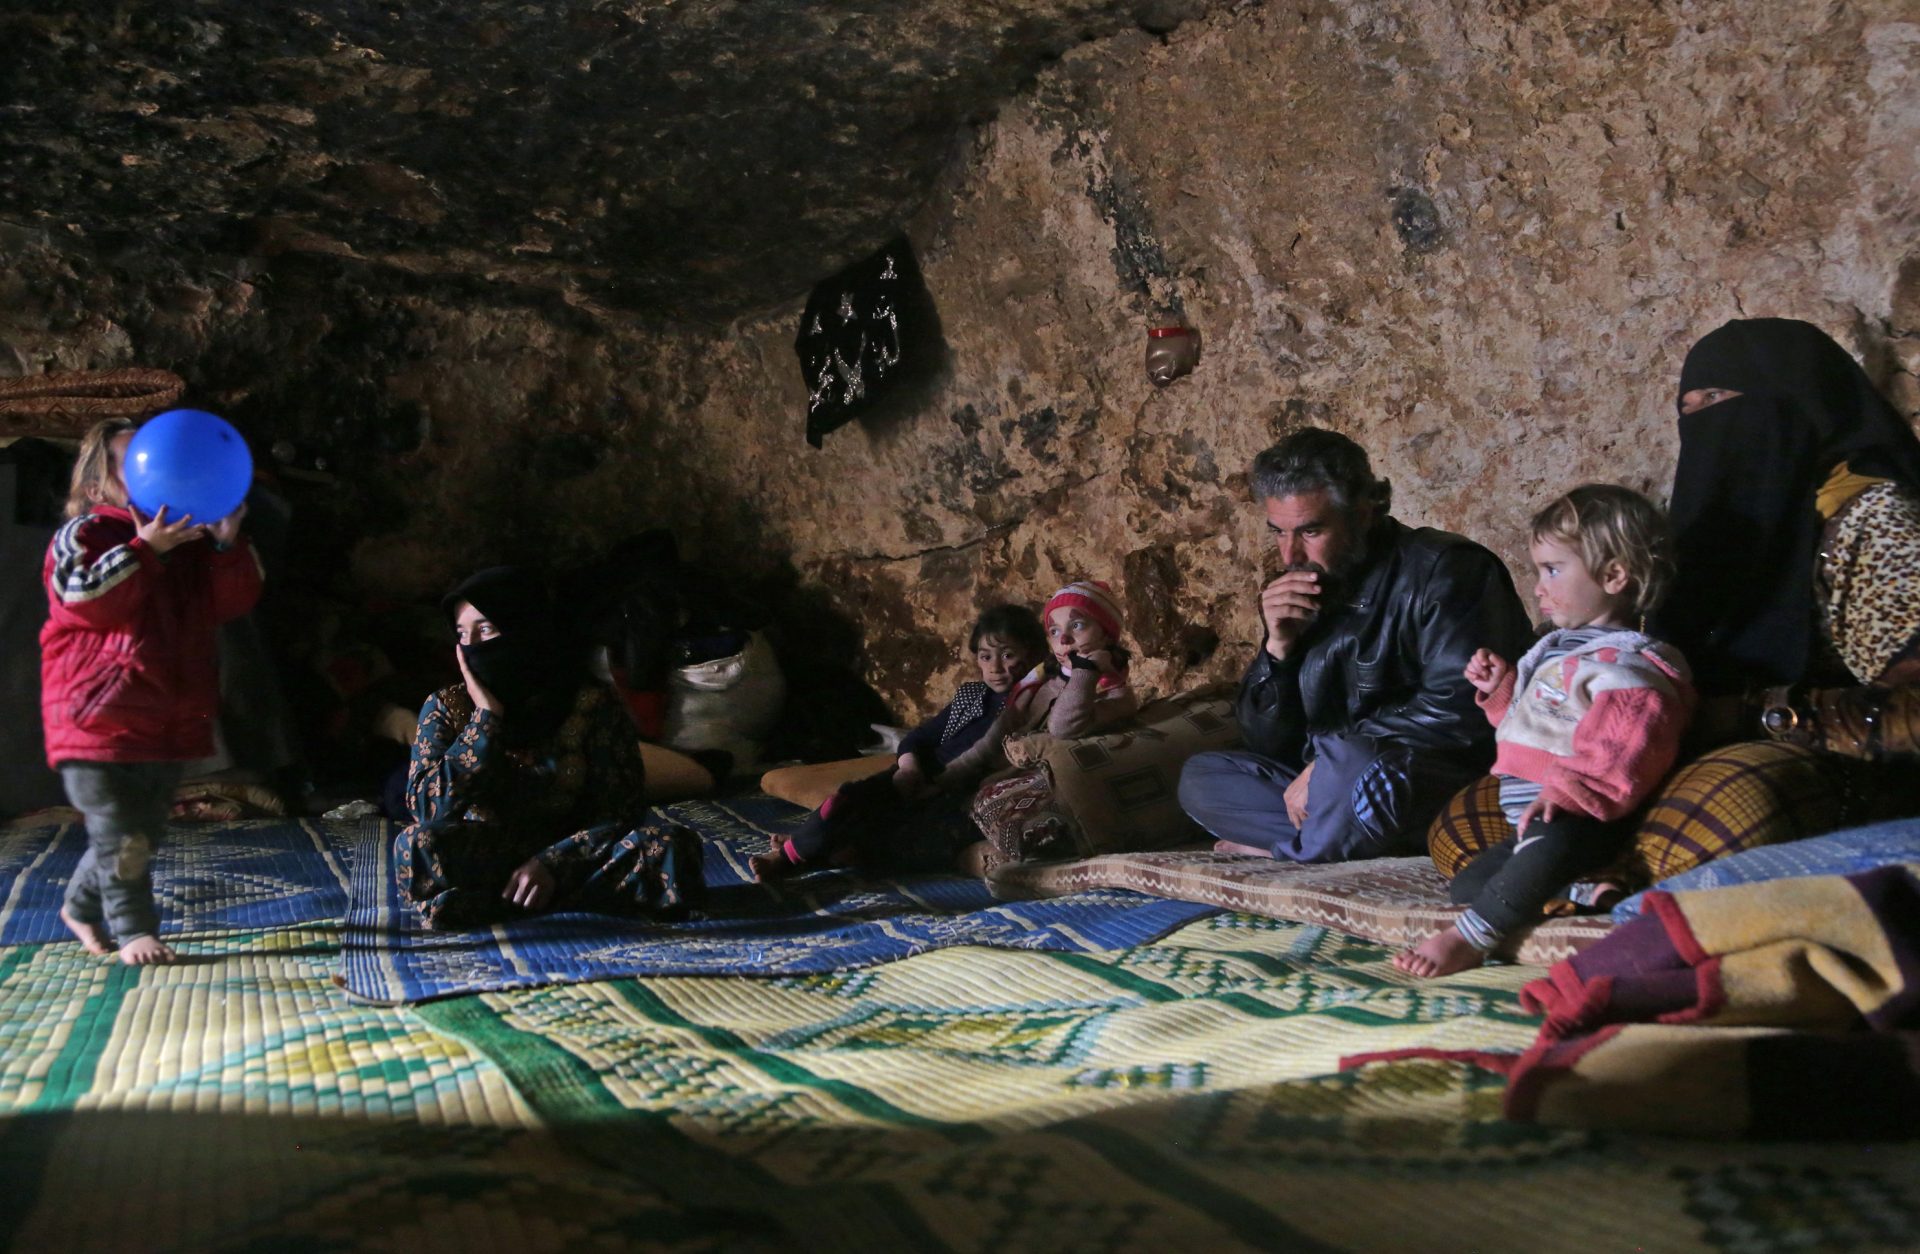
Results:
208 878
831 921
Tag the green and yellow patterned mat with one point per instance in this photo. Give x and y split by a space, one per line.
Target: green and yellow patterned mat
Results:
1184 1094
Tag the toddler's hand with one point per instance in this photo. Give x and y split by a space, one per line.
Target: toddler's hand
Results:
1487 670
1539 808
227 530
161 535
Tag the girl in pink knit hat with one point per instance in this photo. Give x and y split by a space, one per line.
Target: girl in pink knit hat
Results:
1083 687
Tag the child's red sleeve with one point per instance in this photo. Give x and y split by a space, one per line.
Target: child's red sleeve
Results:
95 577
1495 703
1622 750
236 577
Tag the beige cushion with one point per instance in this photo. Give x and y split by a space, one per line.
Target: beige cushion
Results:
812 784
1395 901
672 776
1120 790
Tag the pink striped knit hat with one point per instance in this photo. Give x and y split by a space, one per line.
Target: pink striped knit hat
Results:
1093 596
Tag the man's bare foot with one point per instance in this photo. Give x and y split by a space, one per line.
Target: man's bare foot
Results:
1443 953
144 951
1244 851
91 938
771 865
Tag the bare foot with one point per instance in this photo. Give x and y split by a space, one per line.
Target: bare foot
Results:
1443 953
972 861
144 951
91 938
771 865
1244 851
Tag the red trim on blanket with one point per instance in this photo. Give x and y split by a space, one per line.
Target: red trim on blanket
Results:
1709 994
1483 1059
1540 1064
1570 1003
1679 931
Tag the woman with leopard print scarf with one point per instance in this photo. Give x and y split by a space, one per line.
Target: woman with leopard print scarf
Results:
1796 508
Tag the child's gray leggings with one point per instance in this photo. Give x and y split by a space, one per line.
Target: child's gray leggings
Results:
126 806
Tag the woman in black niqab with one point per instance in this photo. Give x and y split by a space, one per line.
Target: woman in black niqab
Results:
527 659
1783 407
525 783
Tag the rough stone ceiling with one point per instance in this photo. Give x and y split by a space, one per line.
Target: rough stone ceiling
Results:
687 159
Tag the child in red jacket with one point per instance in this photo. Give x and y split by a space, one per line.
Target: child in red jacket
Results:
130 680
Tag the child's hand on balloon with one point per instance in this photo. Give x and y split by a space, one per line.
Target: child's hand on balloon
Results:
160 535
227 530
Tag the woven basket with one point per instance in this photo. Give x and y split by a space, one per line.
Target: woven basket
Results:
65 405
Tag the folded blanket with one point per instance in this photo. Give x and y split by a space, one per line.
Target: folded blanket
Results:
1825 956
1784 1009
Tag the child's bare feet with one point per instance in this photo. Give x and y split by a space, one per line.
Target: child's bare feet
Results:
1244 851
1443 953
144 951
771 865
972 861
91 938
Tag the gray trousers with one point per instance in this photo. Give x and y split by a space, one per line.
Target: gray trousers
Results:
126 806
1365 799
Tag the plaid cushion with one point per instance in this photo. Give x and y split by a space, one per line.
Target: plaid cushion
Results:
1738 797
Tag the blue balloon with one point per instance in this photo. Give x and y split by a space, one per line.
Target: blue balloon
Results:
190 461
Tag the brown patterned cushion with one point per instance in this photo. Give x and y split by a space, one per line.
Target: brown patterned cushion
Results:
1015 812
1109 793
1738 797
1395 901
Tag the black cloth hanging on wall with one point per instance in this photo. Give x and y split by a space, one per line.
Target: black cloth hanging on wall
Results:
867 333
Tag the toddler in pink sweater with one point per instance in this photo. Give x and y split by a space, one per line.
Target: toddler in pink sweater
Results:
1589 721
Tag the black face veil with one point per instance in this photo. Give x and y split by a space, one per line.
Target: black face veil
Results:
1744 521
535 666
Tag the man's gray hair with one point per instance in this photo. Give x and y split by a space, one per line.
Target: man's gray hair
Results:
1314 460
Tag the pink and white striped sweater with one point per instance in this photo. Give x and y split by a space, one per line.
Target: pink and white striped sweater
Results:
1597 728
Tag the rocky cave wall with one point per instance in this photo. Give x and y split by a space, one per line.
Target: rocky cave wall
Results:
1477 237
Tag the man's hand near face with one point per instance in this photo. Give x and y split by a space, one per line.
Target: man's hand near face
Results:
1288 606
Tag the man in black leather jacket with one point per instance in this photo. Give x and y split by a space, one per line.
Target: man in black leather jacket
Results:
1358 721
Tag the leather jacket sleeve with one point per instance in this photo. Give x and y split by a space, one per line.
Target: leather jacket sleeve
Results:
1273 718
1467 603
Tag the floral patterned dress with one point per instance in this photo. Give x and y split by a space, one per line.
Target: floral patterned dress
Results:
482 808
